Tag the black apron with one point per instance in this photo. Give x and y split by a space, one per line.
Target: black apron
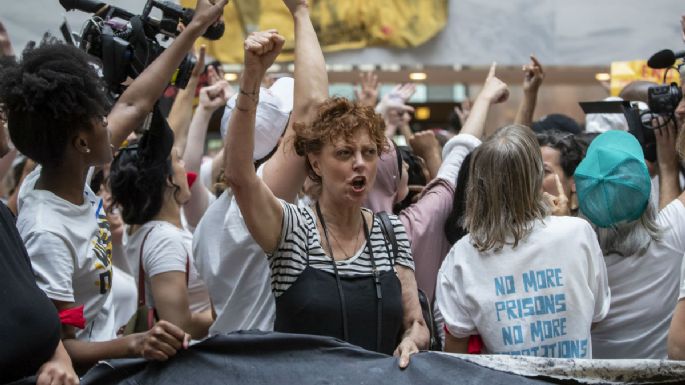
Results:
364 311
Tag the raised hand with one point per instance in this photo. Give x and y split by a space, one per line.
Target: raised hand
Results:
294 5
215 96
208 12
367 92
261 50
397 114
494 90
200 63
559 203
403 91
424 143
533 75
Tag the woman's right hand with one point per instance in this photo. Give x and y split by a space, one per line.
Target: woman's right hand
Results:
159 343
494 90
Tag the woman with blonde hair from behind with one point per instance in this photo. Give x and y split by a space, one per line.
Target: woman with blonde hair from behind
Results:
518 279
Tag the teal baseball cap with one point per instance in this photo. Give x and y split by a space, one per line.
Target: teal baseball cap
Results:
613 182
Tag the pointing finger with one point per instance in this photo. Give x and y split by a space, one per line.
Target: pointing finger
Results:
560 187
493 68
535 61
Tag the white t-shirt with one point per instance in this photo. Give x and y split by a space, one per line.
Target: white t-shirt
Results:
235 269
124 296
70 247
537 299
644 292
167 248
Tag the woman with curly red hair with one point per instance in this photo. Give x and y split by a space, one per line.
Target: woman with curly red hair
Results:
332 272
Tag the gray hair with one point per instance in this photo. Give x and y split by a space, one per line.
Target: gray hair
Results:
630 238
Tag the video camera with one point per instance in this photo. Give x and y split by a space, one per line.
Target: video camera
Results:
662 101
128 43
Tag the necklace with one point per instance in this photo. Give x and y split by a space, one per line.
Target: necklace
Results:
356 242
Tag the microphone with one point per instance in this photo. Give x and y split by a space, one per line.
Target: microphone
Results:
88 6
664 58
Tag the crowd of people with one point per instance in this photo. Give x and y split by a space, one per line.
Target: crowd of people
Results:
121 238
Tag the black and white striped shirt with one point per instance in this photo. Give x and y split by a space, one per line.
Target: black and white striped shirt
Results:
299 232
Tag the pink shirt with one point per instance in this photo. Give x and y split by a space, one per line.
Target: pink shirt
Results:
425 222
425 219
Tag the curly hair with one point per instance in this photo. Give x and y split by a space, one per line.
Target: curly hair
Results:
337 118
137 188
52 94
572 152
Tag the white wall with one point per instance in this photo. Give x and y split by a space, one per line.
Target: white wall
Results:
577 32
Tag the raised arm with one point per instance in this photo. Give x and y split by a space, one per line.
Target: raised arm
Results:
285 172
534 75
139 98
211 98
181 111
494 91
261 210
395 111
425 145
367 90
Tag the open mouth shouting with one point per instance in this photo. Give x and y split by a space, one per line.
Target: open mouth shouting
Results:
358 184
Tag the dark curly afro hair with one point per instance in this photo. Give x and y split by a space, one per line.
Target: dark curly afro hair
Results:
49 96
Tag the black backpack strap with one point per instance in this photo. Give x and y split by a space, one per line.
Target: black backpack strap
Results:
389 234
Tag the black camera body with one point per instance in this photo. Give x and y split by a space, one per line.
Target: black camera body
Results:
664 99
127 43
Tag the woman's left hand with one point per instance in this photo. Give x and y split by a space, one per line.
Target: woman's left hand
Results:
405 349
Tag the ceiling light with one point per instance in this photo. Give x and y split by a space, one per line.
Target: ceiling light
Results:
602 77
418 76
422 113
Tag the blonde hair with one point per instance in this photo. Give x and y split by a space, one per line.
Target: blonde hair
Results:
504 193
